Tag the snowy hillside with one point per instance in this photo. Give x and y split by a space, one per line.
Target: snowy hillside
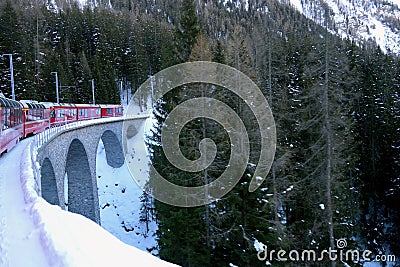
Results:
359 20
376 20
120 200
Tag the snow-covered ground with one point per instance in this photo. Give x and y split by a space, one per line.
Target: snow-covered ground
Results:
119 199
358 20
35 233
19 241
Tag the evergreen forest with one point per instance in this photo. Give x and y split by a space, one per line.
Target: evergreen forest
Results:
336 105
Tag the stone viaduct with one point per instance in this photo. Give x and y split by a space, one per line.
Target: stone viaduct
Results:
72 153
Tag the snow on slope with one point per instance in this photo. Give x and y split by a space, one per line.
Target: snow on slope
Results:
358 19
19 241
119 199
396 2
35 233
78 241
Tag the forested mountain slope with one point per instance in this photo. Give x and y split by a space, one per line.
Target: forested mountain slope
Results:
335 104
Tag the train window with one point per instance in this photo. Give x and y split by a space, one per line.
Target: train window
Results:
53 114
97 111
61 113
4 119
109 110
17 113
8 117
11 117
27 115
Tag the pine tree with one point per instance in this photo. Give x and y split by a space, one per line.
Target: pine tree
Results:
187 31
11 39
376 113
326 140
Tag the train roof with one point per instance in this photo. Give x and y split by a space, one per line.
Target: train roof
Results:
31 104
52 104
110 105
5 102
87 105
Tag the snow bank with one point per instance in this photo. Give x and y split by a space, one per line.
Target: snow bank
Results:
72 240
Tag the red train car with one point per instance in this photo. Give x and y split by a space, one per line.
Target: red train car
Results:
111 111
11 123
61 113
27 117
88 112
35 116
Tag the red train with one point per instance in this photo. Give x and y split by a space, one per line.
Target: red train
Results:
20 119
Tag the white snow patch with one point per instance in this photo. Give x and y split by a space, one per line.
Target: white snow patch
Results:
259 246
358 20
20 243
119 198
297 5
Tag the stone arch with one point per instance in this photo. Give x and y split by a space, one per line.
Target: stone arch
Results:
80 185
113 148
48 183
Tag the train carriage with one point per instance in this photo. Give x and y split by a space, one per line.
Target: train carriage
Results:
11 123
111 111
61 113
28 117
88 111
36 117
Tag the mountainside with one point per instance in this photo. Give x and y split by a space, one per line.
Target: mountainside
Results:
358 20
336 172
376 20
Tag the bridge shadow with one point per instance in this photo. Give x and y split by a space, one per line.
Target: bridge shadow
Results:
80 184
113 148
49 184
